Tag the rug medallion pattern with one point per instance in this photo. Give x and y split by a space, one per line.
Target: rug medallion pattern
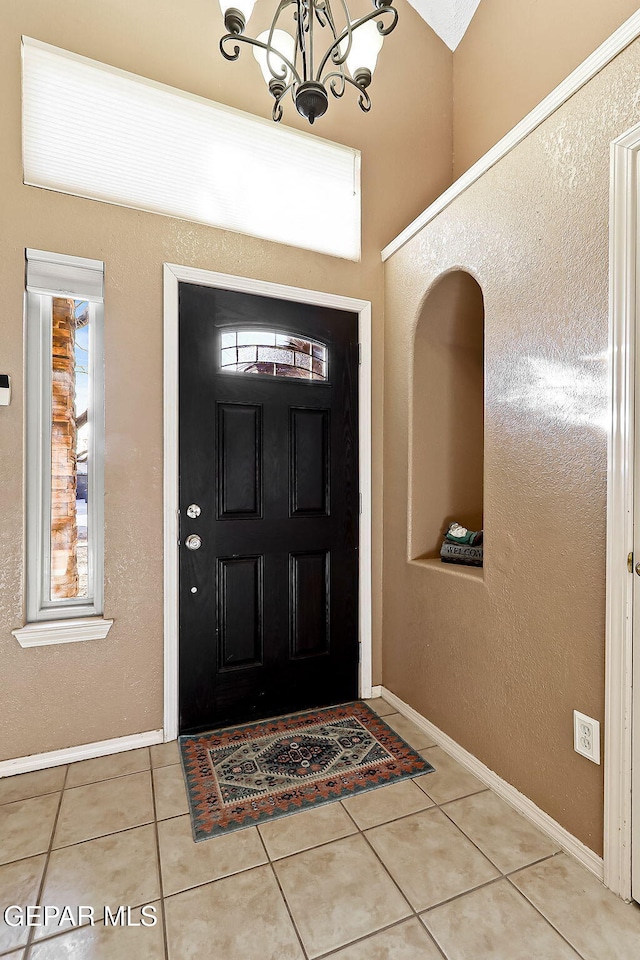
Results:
241 776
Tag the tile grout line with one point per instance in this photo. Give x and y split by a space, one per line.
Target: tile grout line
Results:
472 841
65 930
117 776
316 846
88 783
393 880
101 836
165 932
32 932
370 936
545 918
444 803
459 896
83 926
282 894
36 796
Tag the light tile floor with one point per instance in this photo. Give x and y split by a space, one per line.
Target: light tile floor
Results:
424 869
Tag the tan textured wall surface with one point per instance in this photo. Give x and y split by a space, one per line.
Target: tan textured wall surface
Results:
53 697
513 54
500 665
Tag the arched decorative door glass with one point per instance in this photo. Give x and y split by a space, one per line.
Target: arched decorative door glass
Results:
273 354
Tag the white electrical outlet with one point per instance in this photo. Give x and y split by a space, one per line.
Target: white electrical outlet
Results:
586 736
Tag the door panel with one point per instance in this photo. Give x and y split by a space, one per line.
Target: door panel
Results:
269 602
239 461
309 447
310 603
240 611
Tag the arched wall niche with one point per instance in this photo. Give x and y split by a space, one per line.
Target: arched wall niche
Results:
447 413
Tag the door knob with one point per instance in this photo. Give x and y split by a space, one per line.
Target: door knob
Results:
638 569
193 542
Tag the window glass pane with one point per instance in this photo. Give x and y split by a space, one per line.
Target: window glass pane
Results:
228 340
69 449
261 337
274 354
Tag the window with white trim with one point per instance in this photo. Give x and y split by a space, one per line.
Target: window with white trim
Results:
65 437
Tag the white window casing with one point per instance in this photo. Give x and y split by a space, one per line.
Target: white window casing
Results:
142 144
52 275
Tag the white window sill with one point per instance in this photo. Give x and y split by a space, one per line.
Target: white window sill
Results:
62 631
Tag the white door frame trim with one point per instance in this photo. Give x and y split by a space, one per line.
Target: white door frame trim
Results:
173 275
620 498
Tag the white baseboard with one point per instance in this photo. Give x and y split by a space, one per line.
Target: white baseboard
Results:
85 751
517 800
376 692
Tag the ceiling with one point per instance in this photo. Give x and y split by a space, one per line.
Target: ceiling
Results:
448 18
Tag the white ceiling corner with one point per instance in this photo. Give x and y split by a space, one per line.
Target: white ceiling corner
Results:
448 18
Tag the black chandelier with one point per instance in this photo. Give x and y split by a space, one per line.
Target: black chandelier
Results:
289 61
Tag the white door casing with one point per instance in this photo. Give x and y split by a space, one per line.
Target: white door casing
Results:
173 275
621 774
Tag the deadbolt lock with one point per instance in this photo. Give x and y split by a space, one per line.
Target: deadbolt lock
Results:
193 511
193 542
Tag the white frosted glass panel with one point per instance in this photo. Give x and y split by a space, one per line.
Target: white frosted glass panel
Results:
257 337
229 355
271 355
149 146
247 354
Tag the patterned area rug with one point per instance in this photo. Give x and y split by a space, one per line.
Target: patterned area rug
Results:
241 776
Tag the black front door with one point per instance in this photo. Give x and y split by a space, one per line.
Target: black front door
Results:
268 507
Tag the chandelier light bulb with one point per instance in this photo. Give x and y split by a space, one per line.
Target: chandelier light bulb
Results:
366 44
236 14
274 68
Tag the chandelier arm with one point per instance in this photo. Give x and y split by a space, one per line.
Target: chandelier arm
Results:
386 8
328 15
276 113
236 50
324 17
337 83
300 37
311 8
364 100
256 43
337 58
351 28
321 17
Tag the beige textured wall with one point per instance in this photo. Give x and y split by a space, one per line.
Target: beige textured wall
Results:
447 414
500 665
59 696
514 53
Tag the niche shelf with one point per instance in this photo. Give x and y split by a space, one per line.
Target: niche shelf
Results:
447 435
